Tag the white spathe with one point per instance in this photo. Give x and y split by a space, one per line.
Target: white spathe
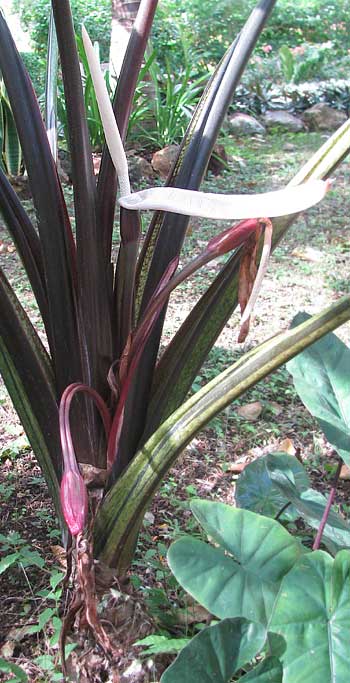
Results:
292 199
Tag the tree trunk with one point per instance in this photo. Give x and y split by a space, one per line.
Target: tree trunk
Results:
123 16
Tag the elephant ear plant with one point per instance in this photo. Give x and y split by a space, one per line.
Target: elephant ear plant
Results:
106 416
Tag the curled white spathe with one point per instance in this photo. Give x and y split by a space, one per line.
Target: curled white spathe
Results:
292 199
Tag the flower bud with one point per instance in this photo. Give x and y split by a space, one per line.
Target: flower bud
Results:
74 501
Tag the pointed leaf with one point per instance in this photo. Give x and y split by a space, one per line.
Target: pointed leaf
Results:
53 222
51 87
245 580
256 491
93 275
322 380
217 653
44 446
312 613
27 243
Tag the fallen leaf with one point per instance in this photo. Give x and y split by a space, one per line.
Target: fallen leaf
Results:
192 614
308 254
237 467
14 636
250 411
286 446
344 473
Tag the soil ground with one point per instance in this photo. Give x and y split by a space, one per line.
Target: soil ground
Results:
309 270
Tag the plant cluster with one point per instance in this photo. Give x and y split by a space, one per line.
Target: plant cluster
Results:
258 575
104 405
258 96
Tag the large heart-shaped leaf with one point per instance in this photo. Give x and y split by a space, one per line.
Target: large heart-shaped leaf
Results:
256 491
312 613
321 376
268 671
242 577
217 653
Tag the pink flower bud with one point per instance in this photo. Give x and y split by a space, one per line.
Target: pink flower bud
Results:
232 237
74 501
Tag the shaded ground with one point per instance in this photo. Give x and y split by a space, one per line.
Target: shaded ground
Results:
308 271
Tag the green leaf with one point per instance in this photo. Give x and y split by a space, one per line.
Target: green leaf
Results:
156 645
45 662
217 653
312 613
322 379
55 579
7 561
9 667
12 147
287 61
241 578
31 558
256 491
44 618
268 671
310 505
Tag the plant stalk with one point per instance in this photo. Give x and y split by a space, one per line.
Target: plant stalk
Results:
327 509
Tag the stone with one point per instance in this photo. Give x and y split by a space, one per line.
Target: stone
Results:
163 160
323 117
139 168
283 119
243 124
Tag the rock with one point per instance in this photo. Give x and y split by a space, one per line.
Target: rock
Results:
323 117
283 119
139 168
250 411
163 160
243 124
218 160
64 165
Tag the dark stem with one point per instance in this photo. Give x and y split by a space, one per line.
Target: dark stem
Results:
280 513
323 523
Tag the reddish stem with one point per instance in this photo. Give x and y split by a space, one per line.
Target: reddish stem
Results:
325 515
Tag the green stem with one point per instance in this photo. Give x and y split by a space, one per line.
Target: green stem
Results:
122 510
